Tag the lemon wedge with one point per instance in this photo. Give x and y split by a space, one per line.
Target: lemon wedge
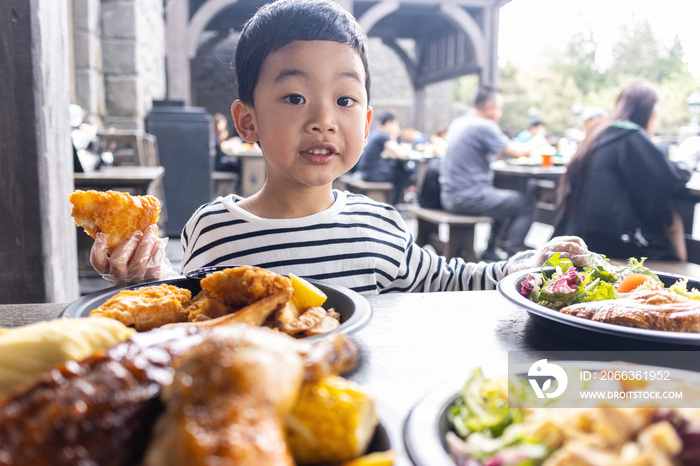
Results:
306 295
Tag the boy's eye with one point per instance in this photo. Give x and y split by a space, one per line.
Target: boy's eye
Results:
346 101
294 99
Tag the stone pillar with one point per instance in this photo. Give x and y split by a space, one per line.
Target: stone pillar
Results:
133 50
87 57
39 252
179 79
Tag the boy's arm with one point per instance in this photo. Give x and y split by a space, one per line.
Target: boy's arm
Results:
433 273
139 257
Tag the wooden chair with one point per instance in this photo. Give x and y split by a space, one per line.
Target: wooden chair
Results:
133 147
460 238
380 191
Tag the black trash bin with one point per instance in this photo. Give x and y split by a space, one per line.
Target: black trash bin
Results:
186 148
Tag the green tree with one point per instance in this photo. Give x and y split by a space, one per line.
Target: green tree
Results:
672 65
579 62
636 52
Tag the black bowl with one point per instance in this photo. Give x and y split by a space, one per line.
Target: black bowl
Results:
353 308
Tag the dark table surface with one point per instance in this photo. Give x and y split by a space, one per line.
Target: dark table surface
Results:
417 343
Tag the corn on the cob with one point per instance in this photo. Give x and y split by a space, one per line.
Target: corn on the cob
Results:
379 458
27 351
333 420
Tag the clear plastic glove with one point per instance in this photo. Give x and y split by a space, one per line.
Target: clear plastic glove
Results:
570 247
139 257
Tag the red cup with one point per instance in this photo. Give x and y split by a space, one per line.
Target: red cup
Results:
547 160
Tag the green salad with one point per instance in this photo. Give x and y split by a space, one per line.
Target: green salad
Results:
559 283
486 430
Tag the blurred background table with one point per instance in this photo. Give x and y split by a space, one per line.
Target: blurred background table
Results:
137 180
524 178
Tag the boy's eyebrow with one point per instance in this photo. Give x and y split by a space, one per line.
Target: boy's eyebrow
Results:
290 72
282 75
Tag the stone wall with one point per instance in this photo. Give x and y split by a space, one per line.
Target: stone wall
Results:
88 83
392 90
119 65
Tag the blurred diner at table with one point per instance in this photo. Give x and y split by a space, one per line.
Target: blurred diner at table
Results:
617 189
591 116
416 139
383 157
535 127
223 162
474 140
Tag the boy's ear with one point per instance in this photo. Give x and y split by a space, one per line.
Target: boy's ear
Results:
370 112
244 120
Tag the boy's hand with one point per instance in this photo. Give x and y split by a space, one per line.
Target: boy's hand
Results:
139 257
571 247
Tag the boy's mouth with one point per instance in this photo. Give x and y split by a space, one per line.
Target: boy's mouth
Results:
319 154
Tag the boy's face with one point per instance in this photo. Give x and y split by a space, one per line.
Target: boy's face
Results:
310 115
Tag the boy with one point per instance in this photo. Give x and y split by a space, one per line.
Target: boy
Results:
304 86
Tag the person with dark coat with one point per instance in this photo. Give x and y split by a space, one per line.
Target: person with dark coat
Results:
618 186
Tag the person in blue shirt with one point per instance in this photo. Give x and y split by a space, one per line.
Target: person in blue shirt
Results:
535 127
381 159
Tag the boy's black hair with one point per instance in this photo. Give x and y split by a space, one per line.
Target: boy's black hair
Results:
279 23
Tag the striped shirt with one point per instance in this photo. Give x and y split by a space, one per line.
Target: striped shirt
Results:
356 243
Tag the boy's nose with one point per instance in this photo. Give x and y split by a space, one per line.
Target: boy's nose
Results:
323 120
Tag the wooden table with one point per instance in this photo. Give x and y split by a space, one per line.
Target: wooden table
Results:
416 343
519 177
136 180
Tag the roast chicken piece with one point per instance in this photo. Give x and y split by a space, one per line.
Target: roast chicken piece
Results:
650 309
228 399
100 411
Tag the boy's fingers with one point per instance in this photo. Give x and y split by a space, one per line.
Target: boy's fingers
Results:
123 253
154 264
142 255
98 254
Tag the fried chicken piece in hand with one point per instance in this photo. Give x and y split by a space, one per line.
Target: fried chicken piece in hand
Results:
230 394
114 213
148 307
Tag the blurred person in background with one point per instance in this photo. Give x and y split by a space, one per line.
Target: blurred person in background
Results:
381 159
415 138
474 140
223 162
591 116
618 186
534 128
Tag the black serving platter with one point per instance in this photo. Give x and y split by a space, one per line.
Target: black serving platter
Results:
510 286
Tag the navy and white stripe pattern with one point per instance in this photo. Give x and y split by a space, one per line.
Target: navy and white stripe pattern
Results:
357 243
